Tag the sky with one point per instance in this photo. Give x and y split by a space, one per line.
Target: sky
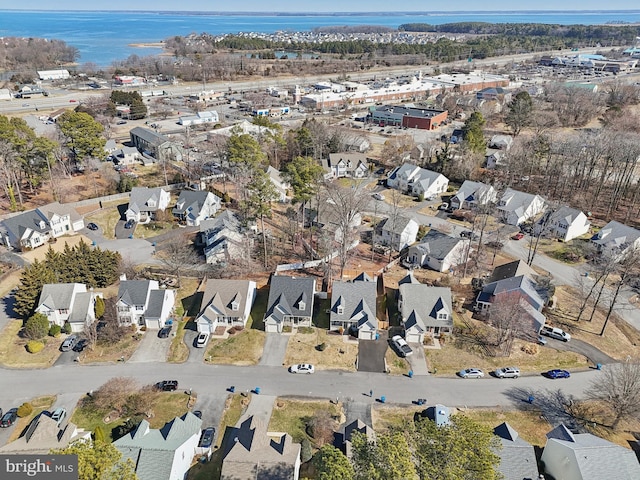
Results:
319 6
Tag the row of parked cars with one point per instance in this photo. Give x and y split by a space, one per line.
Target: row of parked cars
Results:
510 372
11 416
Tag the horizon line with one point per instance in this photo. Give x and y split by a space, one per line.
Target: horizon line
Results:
232 12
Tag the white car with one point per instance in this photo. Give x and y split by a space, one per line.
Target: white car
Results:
202 339
59 415
556 333
471 373
401 346
302 368
507 372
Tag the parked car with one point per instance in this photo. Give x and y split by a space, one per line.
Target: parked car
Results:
59 414
81 345
469 234
555 332
518 236
92 226
378 196
507 372
197 413
165 331
207 437
542 340
471 373
167 385
401 345
302 368
557 373
121 122
69 343
9 418
203 338
129 224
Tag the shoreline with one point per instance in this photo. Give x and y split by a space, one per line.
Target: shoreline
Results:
147 45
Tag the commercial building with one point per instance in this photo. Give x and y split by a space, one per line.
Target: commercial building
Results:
421 118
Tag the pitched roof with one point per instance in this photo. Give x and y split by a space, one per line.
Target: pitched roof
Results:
149 136
616 234
511 269
59 296
520 284
566 214
57 208
408 278
225 220
516 201
357 299
416 174
44 434
285 295
191 202
437 244
218 296
18 225
134 292
81 307
471 191
255 456
517 456
426 301
157 299
398 226
141 196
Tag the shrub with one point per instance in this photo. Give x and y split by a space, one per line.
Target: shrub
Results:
305 450
25 410
99 434
34 346
36 327
55 330
226 198
322 347
143 328
66 328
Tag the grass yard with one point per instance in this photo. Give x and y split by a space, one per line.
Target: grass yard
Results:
292 416
395 364
388 417
107 218
13 352
166 407
338 354
152 229
39 404
178 351
529 424
243 348
111 352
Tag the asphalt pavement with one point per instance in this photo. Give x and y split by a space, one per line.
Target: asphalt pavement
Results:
275 347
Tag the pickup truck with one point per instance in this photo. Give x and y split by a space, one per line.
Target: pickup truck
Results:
556 333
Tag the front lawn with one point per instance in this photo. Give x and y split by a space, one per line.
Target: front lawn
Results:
13 352
242 348
112 352
396 364
293 416
337 354
178 351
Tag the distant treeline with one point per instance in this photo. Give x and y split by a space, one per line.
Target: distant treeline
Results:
349 29
36 53
621 34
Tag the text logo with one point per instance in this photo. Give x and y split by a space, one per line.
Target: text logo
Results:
39 467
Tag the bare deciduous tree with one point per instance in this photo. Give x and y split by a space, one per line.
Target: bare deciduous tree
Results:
506 315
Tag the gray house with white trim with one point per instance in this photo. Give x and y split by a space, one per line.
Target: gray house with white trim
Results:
225 303
290 302
424 310
353 307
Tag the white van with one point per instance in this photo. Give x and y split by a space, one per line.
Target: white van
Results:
556 333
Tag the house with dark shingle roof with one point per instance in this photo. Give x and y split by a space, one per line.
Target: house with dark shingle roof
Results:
221 238
471 194
144 304
583 456
346 164
290 302
424 310
353 307
165 453
437 251
225 303
155 145
517 456
417 181
145 202
616 238
517 207
62 302
397 232
565 223
255 454
193 207
511 269
357 426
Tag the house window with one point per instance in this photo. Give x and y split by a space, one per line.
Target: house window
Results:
340 310
63 311
235 306
302 305
139 307
443 316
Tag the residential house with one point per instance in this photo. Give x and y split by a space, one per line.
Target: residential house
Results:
495 158
330 221
34 228
437 251
616 238
398 232
255 454
126 156
221 238
68 302
155 145
518 207
471 194
357 426
501 142
583 456
520 288
225 303
353 307
512 269
145 203
165 453
517 456
565 223
282 187
143 303
43 435
418 181
424 310
193 207
346 164
290 302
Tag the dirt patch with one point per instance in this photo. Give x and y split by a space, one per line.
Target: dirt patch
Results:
244 348
58 246
13 352
338 354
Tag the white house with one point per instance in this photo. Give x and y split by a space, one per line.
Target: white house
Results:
225 303
165 453
495 158
616 238
418 181
397 233
62 302
290 302
518 207
471 194
282 187
437 251
583 456
193 207
199 118
353 307
565 223
424 310
145 202
144 303
127 156
346 164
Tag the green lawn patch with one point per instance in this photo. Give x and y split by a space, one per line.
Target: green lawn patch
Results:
292 416
322 314
178 351
242 348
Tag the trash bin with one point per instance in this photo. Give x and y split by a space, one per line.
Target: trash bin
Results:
598 366
383 399
377 336
257 390
410 373
232 389
420 401
531 399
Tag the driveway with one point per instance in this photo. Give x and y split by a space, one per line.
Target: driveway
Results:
212 408
138 250
122 232
196 355
275 347
418 360
151 348
583 348
371 354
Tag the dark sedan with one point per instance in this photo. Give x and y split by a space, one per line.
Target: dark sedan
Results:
557 374
92 226
9 418
207 437
165 332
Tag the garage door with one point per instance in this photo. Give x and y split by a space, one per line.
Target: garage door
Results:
413 337
367 335
204 327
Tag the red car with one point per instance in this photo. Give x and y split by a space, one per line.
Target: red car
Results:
518 236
